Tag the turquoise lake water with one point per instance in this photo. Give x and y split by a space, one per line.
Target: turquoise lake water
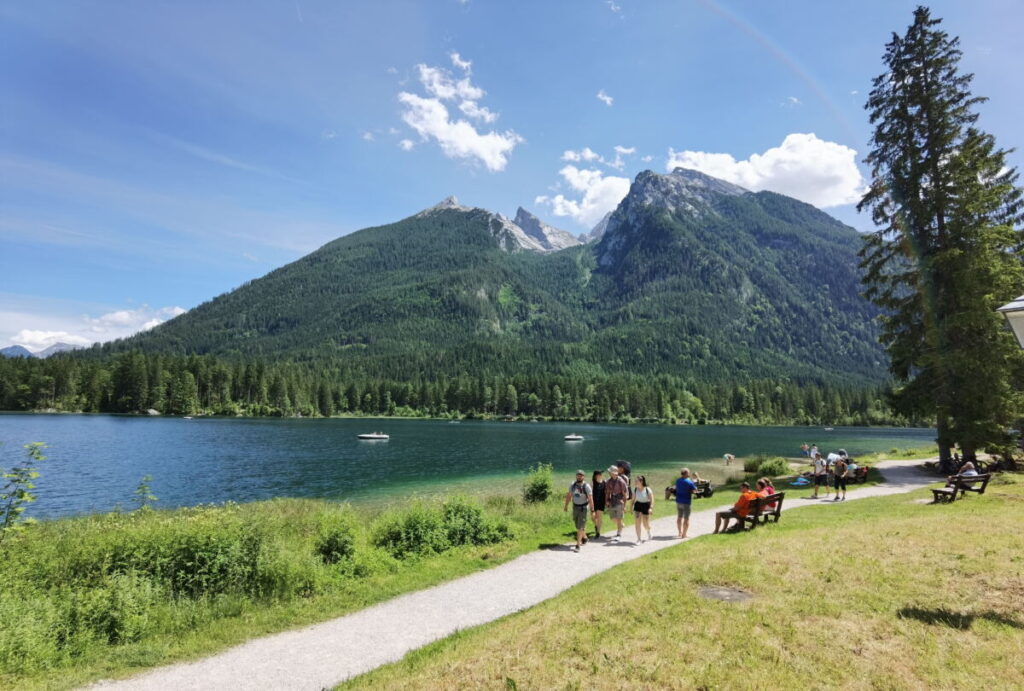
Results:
96 461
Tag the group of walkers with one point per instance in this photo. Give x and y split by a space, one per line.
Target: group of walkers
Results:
612 496
831 471
600 496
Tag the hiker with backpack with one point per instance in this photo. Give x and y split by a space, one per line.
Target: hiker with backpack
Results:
582 498
840 470
615 492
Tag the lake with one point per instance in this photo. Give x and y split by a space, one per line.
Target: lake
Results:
95 462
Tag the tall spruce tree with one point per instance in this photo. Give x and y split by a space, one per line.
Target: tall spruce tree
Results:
948 247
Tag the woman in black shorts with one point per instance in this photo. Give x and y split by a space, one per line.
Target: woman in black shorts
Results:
597 484
840 470
643 504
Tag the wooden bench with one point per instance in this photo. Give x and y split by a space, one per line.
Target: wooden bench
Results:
961 484
763 509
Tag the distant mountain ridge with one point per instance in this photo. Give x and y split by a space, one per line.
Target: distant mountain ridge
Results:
689 276
22 351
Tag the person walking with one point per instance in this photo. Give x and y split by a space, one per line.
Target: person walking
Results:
840 470
615 499
685 487
582 498
643 505
598 487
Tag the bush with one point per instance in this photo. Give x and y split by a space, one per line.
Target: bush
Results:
538 486
335 537
417 530
752 463
773 467
422 530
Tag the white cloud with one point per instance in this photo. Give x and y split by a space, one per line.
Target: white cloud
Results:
86 330
392 70
605 98
600 194
584 154
406 145
393 131
854 92
328 135
477 112
464 65
647 159
367 136
587 154
432 120
614 7
792 102
812 170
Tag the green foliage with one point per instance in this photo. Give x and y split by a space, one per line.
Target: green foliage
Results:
773 467
422 529
752 463
538 486
16 492
144 493
947 251
335 539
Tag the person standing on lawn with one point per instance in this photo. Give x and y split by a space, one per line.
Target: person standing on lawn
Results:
643 505
840 470
685 487
598 486
582 499
615 491
820 475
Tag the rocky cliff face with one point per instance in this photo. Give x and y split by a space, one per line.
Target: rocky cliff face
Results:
510 237
551 238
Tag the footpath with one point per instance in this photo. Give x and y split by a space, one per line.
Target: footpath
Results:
326 654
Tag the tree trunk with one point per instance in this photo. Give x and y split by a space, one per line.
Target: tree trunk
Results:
945 445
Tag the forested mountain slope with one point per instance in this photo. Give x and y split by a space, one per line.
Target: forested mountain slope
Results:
692 277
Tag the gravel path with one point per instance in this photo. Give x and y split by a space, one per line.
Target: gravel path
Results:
323 655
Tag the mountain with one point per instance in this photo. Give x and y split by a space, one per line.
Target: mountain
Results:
15 351
57 348
552 239
693 277
597 232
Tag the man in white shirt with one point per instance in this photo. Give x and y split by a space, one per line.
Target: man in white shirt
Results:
820 475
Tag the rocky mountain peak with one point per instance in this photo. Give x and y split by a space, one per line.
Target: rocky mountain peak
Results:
549 237
449 202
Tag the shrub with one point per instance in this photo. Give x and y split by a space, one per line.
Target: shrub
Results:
418 529
335 537
538 486
773 467
752 463
467 525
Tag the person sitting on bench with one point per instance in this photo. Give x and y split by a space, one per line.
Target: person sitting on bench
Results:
739 511
966 470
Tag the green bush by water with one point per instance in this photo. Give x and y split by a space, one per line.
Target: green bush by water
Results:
72 588
538 486
773 467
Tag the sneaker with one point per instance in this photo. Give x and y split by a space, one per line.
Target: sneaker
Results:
576 548
616 538
584 539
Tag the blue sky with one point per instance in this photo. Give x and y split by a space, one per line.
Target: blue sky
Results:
156 154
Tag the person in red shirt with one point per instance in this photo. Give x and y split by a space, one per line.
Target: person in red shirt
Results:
739 511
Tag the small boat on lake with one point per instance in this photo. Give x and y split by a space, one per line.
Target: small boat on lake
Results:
574 437
373 436
830 429
187 417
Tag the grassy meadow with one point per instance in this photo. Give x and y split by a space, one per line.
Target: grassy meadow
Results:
108 595
881 593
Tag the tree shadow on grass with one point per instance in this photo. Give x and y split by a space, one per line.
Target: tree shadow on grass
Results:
955 620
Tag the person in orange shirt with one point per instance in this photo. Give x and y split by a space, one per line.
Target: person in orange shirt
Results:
739 510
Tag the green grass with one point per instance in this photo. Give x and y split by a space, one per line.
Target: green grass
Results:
108 595
885 593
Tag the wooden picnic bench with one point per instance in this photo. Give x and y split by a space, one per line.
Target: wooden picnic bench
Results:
763 509
961 484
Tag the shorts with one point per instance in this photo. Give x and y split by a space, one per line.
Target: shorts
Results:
841 483
683 510
579 515
599 505
615 511
643 507
820 480
731 513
